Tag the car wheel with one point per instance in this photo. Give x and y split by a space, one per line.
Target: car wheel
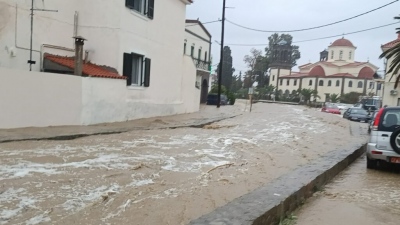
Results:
371 164
395 141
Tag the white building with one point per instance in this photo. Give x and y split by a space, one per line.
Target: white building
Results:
139 39
391 96
337 72
198 46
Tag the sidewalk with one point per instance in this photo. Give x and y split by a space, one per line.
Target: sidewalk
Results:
206 115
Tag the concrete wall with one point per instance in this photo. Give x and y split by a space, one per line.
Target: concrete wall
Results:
30 99
111 29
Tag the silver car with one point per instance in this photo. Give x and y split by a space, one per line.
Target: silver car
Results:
384 141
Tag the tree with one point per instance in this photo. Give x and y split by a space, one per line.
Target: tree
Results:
237 83
275 38
393 53
350 98
258 66
227 69
214 90
315 95
334 98
306 94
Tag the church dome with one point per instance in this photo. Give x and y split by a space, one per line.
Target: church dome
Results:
317 71
342 43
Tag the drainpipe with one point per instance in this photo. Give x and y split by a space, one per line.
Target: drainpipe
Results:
79 42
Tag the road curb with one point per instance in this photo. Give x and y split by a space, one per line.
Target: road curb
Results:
99 131
272 203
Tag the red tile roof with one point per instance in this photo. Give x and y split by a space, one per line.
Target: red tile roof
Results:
317 71
366 72
89 69
392 43
347 75
342 42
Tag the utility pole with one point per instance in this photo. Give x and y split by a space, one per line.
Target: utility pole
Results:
30 61
221 61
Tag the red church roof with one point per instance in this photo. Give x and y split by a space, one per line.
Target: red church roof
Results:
366 72
317 71
342 43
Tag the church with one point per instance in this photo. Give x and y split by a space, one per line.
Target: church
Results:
337 72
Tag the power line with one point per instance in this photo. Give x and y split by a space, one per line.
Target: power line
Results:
312 28
203 23
321 38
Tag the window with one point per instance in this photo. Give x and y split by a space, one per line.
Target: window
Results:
329 83
280 82
321 83
199 55
350 53
295 82
205 57
288 82
310 83
145 7
371 85
350 83
273 78
136 69
340 55
337 83
332 54
192 51
360 84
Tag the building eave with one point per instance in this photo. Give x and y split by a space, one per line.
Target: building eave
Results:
187 2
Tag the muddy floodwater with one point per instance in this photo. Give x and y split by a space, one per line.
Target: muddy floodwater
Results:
164 176
357 196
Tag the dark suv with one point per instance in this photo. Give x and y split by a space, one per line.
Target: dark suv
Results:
384 141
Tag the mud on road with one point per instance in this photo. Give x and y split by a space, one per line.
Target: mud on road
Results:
357 196
166 176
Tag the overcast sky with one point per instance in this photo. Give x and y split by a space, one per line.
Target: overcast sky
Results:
295 14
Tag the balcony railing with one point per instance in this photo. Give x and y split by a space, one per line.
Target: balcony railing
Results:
202 65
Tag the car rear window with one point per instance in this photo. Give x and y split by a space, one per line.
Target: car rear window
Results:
390 121
359 111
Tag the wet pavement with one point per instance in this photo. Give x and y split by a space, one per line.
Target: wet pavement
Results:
163 176
357 196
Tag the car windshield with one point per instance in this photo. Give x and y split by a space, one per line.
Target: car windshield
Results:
359 111
332 107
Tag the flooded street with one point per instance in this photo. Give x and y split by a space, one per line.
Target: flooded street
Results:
357 196
163 176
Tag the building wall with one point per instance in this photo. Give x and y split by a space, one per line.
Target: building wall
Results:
389 98
111 29
196 42
346 54
33 99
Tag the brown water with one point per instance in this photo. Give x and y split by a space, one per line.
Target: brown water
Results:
357 196
163 176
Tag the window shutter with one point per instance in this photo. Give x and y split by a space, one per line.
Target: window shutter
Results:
147 64
127 68
130 3
150 9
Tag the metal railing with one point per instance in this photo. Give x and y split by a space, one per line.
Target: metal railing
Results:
202 65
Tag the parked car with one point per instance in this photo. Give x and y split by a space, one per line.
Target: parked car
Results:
342 106
212 99
331 109
384 141
357 114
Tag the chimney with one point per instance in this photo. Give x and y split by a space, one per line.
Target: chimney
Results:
79 42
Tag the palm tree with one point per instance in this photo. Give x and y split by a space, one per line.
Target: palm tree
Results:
334 98
306 93
315 95
394 53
